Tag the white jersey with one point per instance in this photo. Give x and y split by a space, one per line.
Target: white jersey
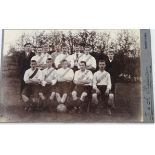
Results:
86 75
102 78
61 57
75 58
29 72
46 56
90 60
40 59
49 76
65 74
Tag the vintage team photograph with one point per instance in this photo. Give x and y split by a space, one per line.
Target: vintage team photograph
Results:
71 76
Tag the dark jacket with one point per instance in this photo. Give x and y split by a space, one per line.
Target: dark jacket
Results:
113 68
24 62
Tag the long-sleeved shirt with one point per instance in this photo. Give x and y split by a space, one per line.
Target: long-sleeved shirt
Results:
41 59
49 75
29 72
90 60
55 54
85 75
61 57
75 58
65 74
46 55
102 78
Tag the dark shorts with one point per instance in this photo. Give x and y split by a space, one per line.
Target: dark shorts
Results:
47 89
81 88
31 90
103 99
102 90
63 87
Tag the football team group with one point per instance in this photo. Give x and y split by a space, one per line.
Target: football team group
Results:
83 81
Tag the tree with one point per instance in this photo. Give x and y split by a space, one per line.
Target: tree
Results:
127 42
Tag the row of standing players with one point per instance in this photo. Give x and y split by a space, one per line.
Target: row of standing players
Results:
63 82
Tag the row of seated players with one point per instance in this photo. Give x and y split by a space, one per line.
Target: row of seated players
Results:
55 86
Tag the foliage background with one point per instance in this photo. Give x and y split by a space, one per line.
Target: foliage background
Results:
125 44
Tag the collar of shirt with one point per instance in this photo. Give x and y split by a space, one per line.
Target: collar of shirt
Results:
87 55
77 53
110 60
32 69
45 54
27 53
49 68
84 71
41 55
102 71
65 54
64 68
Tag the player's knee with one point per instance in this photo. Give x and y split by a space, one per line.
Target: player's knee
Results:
41 96
52 95
25 98
74 95
111 96
65 95
111 99
84 94
94 96
57 94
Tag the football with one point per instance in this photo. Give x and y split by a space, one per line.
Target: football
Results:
61 108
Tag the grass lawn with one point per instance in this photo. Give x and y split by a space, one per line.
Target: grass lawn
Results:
128 107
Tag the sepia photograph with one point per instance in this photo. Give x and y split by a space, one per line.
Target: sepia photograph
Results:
71 76
77 77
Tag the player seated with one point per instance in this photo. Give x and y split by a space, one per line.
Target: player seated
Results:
65 77
32 78
101 88
83 80
49 80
